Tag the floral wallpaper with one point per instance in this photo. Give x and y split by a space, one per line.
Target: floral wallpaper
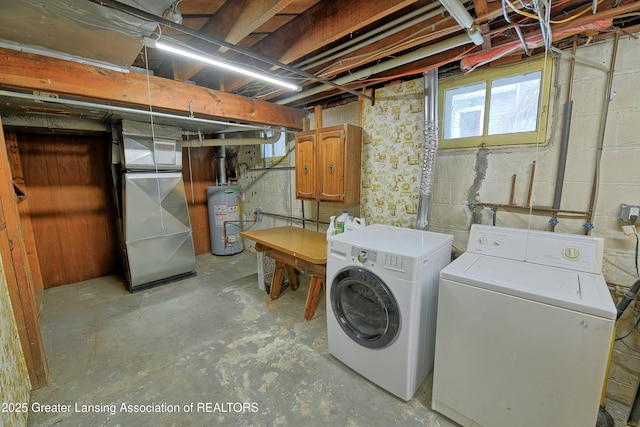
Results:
14 379
391 155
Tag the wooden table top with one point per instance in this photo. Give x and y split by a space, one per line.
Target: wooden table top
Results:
305 244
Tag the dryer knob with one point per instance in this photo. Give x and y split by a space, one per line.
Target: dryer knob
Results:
362 257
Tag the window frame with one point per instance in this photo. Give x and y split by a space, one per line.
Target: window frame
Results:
539 136
275 159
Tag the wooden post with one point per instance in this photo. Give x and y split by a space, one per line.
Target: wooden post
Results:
15 164
18 274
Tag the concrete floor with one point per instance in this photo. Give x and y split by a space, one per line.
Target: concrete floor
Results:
214 341
215 338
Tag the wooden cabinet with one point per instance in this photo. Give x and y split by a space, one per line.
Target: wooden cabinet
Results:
328 164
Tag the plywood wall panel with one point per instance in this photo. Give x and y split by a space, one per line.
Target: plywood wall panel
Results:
71 209
198 175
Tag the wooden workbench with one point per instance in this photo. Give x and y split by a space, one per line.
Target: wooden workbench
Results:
294 248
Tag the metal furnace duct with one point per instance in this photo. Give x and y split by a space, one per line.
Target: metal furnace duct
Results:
430 146
156 227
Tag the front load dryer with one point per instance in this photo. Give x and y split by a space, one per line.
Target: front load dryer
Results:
382 291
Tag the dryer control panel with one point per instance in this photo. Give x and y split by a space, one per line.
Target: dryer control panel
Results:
569 251
364 255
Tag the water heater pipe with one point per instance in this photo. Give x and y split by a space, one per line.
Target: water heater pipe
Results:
221 166
430 146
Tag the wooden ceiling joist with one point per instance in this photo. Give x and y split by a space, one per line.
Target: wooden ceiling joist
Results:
235 21
321 24
20 70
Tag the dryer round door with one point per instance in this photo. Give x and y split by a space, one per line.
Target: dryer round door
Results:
365 308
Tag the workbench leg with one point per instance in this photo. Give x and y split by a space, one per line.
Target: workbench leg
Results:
313 296
276 281
293 278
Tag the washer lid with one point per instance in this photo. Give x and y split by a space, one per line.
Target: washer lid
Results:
573 290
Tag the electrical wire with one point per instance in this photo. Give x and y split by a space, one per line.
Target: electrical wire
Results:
366 57
635 328
630 347
637 322
561 21
636 317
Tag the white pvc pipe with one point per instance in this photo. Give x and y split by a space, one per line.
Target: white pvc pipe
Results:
221 142
394 27
416 55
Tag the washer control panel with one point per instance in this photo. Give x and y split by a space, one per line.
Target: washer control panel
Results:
569 251
364 255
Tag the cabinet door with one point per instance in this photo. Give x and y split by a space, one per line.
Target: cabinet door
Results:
306 165
331 167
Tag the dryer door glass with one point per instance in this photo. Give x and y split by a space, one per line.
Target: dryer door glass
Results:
365 308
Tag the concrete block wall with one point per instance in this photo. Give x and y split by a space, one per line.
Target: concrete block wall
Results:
273 189
467 176
393 130
392 152
266 188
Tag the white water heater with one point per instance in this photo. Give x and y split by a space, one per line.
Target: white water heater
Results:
224 219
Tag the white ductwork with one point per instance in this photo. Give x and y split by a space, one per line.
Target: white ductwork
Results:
462 17
251 138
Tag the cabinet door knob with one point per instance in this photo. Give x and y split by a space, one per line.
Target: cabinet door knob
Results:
332 169
305 169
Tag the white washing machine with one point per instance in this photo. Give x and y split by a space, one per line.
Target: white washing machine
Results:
525 322
382 285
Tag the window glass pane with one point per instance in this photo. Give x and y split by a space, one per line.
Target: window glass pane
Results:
275 151
514 104
464 111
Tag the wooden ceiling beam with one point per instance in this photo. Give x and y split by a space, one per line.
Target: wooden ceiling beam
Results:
20 70
320 25
234 21
325 23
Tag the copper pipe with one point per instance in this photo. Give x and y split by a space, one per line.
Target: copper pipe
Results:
533 174
539 210
512 199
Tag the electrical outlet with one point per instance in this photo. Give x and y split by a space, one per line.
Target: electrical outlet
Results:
629 213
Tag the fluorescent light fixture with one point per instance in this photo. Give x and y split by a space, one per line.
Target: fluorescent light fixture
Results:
457 10
225 65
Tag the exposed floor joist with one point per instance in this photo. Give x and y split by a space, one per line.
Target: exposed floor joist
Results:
324 23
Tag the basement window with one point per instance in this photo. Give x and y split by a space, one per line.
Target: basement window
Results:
276 152
499 106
